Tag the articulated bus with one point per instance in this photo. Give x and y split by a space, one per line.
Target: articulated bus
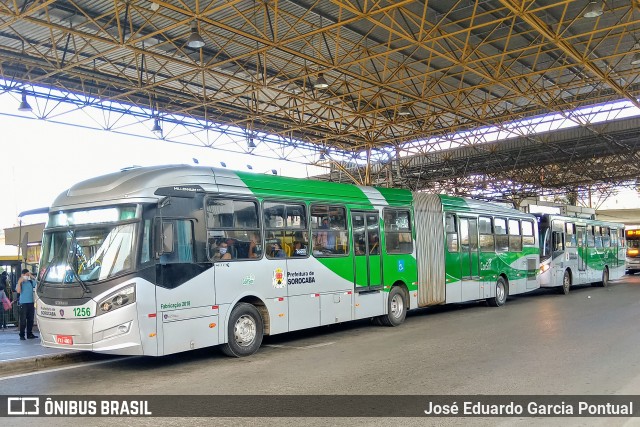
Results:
159 260
632 264
578 251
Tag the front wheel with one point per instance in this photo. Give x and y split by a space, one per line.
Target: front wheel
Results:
566 283
502 290
396 308
244 331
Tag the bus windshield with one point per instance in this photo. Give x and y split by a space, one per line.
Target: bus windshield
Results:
88 254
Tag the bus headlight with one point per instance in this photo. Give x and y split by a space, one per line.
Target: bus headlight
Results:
544 267
120 298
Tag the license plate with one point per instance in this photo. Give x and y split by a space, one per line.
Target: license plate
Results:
64 339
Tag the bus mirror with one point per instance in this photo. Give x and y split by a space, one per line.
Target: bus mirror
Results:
167 237
164 238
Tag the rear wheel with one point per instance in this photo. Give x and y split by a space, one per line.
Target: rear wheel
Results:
502 289
244 331
396 308
566 283
605 278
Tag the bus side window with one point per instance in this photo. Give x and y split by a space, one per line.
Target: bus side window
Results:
528 239
606 237
397 231
487 241
558 241
590 237
451 230
570 235
500 230
515 237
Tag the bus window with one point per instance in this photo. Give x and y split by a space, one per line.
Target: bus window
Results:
235 223
515 237
285 228
452 234
590 237
182 250
329 230
570 235
606 237
487 243
397 231
528 239
500 230
558 242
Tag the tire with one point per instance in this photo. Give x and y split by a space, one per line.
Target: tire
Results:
502 290
605 278
396 308
244 331
566 283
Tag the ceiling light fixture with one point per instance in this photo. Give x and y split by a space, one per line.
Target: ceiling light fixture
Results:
593 10
195 40
321 82
635 59
404 110
24 105
157 129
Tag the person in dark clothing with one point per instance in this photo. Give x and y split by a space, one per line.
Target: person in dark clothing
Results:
25 287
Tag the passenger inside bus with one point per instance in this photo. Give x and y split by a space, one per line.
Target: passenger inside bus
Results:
299 249
254 246
222 252
277 251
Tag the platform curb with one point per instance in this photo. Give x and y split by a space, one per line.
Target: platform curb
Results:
25 365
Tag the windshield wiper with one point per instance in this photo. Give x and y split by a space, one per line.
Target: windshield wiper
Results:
75 273
82 284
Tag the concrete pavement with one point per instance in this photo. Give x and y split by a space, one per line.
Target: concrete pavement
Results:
18 356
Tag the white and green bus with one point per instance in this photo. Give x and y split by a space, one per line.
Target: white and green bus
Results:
577 251
159 260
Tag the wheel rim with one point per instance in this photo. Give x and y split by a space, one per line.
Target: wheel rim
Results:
500 291
244 331
397 306
566 283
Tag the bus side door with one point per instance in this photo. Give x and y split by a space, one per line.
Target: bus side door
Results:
469 259
581 232
366 242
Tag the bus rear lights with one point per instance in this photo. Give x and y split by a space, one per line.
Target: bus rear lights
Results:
120 298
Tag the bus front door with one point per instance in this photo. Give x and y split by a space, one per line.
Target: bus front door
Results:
366 244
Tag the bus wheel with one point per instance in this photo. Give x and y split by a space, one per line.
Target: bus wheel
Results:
566 283
396 308
605 278
245 330
501 293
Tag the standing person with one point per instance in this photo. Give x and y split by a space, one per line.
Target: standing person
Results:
4 312
25 287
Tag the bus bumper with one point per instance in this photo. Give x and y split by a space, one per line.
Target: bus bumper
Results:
632 264
110 333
